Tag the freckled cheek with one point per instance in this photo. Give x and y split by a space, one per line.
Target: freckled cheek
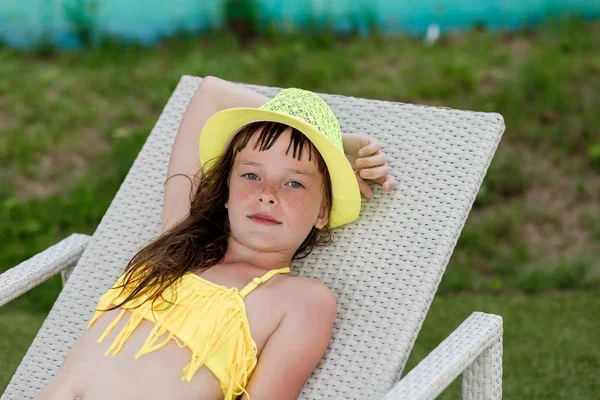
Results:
242 193
296 206
299 208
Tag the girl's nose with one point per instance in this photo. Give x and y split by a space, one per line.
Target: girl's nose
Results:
267 195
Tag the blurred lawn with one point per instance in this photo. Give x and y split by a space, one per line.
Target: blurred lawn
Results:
71 125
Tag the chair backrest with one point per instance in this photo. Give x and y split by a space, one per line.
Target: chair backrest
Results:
384 268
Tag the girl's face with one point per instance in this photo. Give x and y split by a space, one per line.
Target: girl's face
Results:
278 185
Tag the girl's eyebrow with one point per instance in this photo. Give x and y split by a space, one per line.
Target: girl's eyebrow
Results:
296 171
250 163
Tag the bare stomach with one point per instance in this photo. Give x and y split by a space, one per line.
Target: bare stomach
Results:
87 374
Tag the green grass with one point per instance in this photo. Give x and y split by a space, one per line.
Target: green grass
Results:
71 125
71 130
550 341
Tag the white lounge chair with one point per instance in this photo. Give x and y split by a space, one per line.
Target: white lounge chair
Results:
383 268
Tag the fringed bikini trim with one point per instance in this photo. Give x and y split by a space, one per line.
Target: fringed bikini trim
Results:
233 319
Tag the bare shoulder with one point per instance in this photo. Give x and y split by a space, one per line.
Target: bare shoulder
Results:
299 342
306 292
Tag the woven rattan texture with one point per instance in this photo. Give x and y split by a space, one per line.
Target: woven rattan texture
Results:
475 347
483 378
383 268
41 267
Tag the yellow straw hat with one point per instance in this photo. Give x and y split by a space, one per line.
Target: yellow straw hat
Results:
307 112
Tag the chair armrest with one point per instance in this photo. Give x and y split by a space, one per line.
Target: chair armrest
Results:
41 267
475 347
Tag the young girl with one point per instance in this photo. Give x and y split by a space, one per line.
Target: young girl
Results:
214 294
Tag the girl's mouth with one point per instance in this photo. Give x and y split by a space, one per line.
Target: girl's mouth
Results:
263 221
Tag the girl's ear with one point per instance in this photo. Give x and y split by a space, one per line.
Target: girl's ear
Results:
323 218
228 186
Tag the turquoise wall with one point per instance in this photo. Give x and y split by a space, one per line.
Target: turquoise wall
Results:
25 22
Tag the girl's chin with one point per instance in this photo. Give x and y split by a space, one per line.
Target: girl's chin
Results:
265 242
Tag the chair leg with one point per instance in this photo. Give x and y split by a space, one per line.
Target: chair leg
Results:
482 380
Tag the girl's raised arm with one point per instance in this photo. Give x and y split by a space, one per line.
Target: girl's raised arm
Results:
213 95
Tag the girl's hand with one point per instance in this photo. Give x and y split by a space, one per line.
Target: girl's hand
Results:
368 161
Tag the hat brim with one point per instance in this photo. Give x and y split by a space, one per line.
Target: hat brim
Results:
224 124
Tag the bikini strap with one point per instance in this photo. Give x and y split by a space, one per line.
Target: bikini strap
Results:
257 281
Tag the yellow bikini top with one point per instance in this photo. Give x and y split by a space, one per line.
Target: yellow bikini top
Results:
223 341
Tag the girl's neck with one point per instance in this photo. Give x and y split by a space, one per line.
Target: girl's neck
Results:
237 253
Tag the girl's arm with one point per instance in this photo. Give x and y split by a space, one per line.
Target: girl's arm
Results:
294 350
213 95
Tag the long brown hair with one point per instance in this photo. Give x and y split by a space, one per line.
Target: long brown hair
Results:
199 241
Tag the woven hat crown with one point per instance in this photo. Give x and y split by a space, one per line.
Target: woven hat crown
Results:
310 108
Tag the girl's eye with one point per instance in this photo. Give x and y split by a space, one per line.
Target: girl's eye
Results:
299 185
249 173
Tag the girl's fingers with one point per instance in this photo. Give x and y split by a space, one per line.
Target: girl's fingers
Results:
370 149
364 187
373 161
375 172
390 182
